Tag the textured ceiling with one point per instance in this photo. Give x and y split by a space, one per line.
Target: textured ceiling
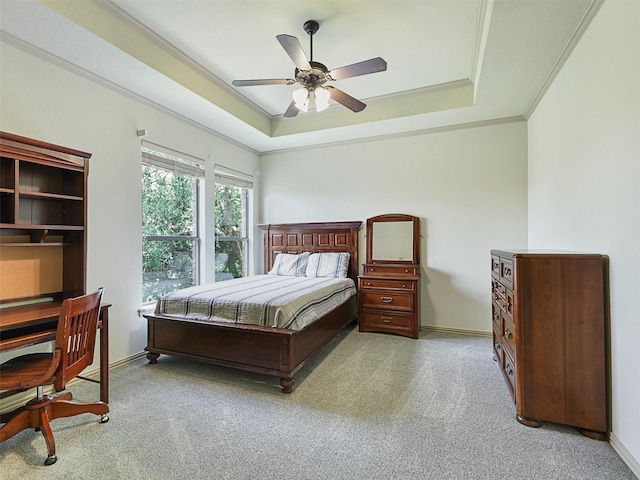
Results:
450 62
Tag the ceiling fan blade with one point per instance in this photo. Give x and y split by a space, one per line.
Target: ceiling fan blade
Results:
347 100
273 81
372 65
292 111
294 50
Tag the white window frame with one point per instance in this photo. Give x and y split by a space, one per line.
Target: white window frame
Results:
164 158
228 176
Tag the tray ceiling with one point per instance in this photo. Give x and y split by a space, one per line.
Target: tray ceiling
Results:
450 63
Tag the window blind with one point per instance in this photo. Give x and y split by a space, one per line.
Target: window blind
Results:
228 176
172 160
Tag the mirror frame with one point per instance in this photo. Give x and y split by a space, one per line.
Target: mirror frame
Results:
394 217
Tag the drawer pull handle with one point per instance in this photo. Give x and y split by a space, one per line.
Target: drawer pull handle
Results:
497 345
386 299
508 369
507 333
386 319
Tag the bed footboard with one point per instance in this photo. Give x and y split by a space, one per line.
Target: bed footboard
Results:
271 351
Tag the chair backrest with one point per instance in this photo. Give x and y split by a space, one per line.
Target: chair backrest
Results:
76 335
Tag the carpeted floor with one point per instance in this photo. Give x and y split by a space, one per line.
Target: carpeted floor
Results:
371 406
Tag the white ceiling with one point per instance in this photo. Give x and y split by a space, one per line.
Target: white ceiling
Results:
450 62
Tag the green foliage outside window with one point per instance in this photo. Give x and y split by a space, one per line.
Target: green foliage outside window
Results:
230 212
169 210
168 207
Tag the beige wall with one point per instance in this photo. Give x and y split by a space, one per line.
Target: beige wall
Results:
584 186
47 102
467 186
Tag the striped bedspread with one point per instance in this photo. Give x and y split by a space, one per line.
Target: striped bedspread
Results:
271 300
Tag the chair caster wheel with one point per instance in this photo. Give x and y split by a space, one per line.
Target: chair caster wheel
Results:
51 460
104 418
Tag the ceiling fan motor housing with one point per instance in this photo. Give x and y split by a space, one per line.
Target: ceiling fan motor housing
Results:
314 77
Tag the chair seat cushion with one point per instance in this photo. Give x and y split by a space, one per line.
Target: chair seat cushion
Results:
27 371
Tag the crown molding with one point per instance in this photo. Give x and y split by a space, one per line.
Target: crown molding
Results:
414 133
151 36
581 27
483 21
101 81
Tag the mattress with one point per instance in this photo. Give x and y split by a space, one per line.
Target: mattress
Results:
269 300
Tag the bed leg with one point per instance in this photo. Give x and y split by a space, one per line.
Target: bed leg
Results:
152 357
287 384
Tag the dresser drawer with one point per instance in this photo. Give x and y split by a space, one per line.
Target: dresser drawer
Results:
508 306
391 270
499 289
386 319
506 271
393 284
508 336
497 348
509 371
496 319
495 265
387 300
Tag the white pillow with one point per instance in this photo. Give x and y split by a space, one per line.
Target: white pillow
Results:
294 265
333 264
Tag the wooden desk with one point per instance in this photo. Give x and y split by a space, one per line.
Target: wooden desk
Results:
29 325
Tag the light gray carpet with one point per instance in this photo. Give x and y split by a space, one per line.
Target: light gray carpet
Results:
371 406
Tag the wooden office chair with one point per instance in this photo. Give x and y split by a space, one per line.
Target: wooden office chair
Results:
75 344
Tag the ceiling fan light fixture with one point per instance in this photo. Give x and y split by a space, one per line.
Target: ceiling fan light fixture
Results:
322 96
301 97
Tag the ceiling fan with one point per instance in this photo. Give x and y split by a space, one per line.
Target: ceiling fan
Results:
313 76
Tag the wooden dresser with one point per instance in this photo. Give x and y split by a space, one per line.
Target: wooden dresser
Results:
549 336
389 288
388 299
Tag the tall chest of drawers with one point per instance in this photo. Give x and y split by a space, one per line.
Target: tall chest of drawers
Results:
549 336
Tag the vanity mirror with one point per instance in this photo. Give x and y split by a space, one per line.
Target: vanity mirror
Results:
393 238
389 287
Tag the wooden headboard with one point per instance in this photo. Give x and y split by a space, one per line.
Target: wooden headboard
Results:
312 237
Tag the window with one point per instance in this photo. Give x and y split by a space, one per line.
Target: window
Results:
233 190
170 233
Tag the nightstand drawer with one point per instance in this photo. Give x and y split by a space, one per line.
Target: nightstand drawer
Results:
386 319
393 284
388 300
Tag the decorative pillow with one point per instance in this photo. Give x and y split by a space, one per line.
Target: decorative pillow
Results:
294 265
331 264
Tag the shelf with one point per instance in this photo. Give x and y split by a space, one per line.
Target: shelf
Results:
25 226
7 190
49 196
38 244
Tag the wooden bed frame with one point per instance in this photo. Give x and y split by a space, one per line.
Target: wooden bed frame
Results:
272 351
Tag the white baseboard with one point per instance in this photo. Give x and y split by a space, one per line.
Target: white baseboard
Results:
19 399
455 330
625 455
